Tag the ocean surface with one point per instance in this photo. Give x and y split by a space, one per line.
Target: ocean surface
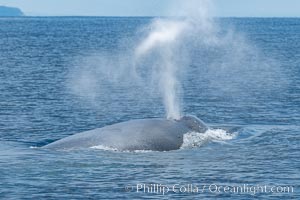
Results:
249 87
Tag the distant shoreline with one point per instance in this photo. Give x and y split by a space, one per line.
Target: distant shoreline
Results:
79 16
6 11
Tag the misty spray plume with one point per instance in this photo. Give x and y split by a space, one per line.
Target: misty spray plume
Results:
164 51
149 70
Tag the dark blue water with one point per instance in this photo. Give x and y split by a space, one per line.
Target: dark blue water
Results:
255 91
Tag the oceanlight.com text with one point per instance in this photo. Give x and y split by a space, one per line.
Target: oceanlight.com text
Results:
209 188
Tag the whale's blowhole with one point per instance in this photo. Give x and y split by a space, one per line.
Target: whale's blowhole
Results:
194 123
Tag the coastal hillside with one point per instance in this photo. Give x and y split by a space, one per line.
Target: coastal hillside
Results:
10 12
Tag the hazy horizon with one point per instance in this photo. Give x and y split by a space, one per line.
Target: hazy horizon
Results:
153 8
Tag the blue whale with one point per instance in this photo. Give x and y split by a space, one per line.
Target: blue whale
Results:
143 134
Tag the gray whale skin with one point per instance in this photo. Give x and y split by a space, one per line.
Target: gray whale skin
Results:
144 134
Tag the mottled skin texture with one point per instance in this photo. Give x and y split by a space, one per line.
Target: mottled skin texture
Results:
144 134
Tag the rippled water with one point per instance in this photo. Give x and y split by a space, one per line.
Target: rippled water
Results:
257 98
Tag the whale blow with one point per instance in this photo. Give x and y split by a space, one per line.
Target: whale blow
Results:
143 134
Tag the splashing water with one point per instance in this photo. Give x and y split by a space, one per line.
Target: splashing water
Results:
195 139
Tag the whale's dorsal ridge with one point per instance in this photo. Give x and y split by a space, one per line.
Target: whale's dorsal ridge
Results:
140 134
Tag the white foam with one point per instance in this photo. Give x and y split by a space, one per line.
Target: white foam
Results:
195 139
190 140
105 148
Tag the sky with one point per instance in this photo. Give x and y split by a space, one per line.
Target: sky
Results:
222 8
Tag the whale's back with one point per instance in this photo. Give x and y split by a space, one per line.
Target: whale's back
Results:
145 134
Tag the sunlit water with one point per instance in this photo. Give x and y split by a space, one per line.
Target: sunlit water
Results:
255 113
